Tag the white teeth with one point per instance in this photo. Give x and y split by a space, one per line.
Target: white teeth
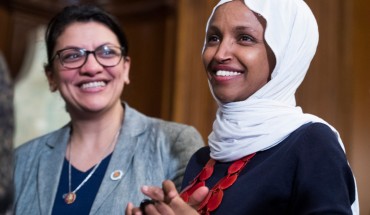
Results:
227 73
93 84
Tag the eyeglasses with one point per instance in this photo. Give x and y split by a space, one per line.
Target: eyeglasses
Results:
105 55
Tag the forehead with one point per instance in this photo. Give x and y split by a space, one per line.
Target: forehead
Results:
86 35
235 14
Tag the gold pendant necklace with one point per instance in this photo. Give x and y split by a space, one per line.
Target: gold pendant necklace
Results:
71 196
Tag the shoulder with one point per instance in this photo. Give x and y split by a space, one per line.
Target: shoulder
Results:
173 128
179 137
318 131
202 155
196 163
26 157
314 146
199 159
161 128
322 174
313 136
31 148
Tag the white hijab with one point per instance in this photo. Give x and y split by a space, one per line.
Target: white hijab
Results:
270 115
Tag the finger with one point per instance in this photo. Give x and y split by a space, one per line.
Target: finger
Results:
173 199
197 197
180 207
170 191
155 193
129 208
137 211
151 210
163 208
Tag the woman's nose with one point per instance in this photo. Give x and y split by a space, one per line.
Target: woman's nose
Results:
224 51
91 66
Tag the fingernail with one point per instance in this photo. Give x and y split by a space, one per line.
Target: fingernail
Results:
144 188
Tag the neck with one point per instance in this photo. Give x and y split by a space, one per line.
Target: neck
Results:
93 139
98 126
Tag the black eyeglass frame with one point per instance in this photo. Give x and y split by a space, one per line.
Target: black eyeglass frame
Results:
87 52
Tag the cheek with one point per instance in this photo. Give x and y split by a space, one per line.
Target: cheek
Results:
257 62
206 57
66 77
117 75
266 67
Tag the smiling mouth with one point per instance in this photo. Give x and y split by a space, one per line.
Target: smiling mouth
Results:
94 84
225 73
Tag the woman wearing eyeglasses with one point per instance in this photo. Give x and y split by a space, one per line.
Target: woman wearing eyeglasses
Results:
98 161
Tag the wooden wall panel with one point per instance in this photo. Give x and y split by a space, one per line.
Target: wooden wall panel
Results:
360 67
150 28
327 90
5 27
147 51
23 25
337 87
193 103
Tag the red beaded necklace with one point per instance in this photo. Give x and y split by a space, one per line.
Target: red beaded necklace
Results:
215 195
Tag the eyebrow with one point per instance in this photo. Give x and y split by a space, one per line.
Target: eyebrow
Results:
213 28
243 28
76 47
235 29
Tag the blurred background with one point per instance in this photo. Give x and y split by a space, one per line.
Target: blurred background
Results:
167 76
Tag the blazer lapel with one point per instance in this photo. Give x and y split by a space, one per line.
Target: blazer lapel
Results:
120 161
122 156
50 168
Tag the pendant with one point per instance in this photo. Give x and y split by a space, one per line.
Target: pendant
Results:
69 198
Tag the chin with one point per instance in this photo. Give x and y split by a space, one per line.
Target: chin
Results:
93 106
225 98
230 93
229 97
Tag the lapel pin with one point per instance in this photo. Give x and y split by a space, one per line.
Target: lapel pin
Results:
116 175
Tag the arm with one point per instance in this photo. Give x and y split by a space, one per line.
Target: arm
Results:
324 182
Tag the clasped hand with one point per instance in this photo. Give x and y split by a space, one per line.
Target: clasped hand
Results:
167 201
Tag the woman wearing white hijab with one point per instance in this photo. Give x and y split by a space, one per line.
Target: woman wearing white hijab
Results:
265 156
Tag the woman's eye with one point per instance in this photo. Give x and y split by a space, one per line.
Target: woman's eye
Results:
107 52
246 38
71 56
212 39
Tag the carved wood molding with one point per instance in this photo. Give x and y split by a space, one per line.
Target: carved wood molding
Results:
46 8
